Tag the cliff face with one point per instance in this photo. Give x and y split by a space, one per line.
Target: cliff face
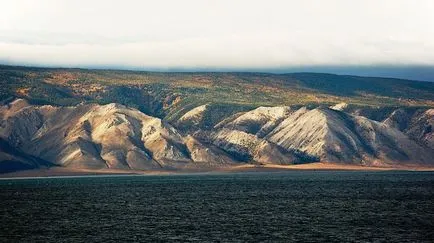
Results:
114 136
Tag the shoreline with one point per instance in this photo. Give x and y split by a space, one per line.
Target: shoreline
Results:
319 166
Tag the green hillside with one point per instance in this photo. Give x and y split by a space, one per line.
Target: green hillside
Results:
170 95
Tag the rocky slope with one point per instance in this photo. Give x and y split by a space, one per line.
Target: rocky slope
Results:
11 159
259 121
339 137
326 134
418 125
94 136
248 147
114 136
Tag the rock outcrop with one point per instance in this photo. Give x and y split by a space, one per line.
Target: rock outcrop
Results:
339 107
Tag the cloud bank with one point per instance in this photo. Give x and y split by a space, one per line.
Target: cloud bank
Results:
217 34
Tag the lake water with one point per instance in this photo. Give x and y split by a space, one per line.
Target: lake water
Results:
305 206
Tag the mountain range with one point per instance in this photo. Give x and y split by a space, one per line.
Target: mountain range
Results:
110 119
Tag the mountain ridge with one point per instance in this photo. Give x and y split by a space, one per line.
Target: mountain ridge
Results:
114 136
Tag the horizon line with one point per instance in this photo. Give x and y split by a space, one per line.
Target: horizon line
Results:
351 70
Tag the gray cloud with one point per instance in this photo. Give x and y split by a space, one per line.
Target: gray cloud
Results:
220 34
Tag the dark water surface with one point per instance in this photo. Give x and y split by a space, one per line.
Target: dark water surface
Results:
289 206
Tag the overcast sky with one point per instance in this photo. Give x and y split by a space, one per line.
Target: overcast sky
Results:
216 34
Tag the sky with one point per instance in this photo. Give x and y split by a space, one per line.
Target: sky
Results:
280 35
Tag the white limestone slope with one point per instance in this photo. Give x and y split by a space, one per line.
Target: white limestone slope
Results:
339 107
249 147
95 136
258 121
194 116
114 136
339 137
